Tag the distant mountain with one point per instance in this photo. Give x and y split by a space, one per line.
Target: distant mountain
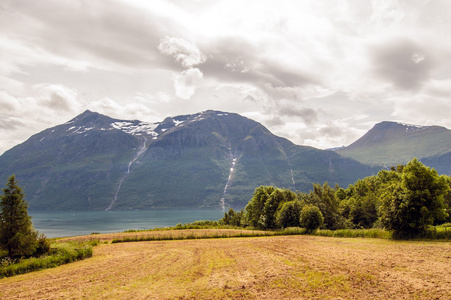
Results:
206 160
390 143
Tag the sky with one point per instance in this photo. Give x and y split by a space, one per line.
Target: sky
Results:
320 73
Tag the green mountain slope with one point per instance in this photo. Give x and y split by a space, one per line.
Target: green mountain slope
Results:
206 160
390 143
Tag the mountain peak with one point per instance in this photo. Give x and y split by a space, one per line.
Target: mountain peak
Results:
89 117
395 142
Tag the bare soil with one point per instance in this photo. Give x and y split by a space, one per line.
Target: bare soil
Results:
289 267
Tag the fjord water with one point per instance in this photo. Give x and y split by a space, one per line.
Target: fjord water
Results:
73 223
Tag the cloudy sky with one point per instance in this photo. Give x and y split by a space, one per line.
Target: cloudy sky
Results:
320 73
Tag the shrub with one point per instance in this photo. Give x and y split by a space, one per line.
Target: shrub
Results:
311 218
289 214
62 253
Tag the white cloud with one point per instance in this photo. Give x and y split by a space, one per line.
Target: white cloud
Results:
186 53
422 109
139 110
417 57
186 82
316 71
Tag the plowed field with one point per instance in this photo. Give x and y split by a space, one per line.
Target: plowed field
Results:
291 267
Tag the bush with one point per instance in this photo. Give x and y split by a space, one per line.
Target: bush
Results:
62 253
311 218
289 214
43 245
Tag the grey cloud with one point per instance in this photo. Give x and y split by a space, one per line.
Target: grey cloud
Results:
275 121
122 35
236 60
90 30
58 102
403 63
308 115
250 98
331 131
9 123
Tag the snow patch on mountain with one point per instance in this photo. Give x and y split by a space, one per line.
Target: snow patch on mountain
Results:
410 127
139 128
178 122
79 129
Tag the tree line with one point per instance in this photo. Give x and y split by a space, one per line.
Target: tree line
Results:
405 199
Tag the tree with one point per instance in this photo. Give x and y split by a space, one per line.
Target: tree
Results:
323 196
447 198
261 211
311 218
254 209
360 201
16 230
289 214
415 202
233 218
273 204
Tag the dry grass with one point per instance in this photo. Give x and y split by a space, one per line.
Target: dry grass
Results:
167 234
288 267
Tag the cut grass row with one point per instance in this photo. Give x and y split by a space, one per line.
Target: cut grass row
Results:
434 233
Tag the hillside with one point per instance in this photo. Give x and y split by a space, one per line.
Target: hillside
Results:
390 143
205 160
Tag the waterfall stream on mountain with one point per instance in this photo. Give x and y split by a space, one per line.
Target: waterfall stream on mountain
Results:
229 179
126 174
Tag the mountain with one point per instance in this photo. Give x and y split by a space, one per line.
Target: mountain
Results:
210 159
391 143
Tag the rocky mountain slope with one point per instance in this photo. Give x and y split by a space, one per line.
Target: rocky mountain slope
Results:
205 160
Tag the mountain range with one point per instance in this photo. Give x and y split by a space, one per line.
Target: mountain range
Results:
392 143
210 159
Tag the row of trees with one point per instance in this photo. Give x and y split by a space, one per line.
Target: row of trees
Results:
17 236
405 199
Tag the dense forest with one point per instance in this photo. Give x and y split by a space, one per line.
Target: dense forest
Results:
406 199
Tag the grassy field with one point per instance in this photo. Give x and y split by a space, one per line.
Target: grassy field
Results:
277 267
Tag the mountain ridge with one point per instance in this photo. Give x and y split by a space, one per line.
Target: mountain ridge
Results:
391 143
210 159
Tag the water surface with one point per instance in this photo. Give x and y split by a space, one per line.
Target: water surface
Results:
59 224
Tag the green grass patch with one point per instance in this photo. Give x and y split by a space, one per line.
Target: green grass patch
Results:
355 233
442 232
61 253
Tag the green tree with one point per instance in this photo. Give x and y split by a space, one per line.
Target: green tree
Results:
415 202
273 204
311 218
323 196
360 201
254 209
233 218
16 230
289 214
261 211
447 198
